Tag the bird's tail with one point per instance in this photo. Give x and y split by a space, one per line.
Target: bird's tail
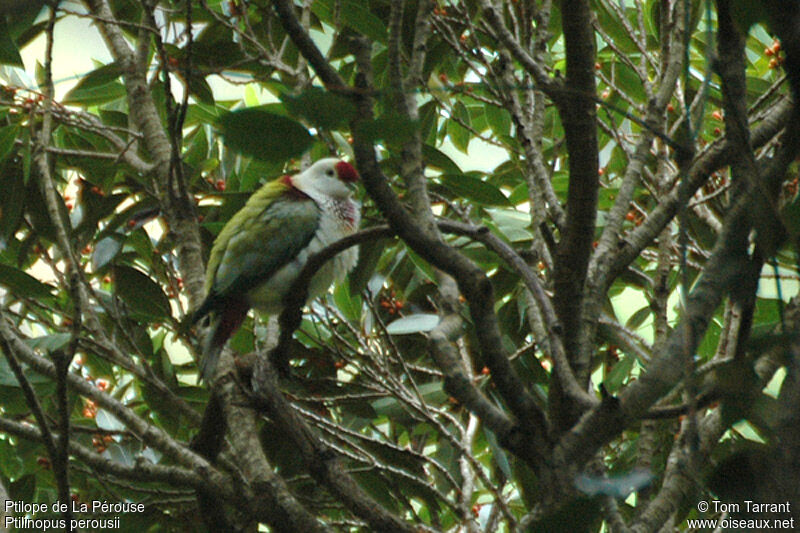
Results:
212 346
223 324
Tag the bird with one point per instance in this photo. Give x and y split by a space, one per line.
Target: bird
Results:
261 250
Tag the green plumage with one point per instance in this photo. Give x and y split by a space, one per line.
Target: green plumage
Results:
268 233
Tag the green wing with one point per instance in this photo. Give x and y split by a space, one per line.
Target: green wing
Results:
266 234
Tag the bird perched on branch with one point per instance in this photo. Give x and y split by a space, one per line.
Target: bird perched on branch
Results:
263 247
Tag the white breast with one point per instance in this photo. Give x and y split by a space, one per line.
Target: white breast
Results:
339 219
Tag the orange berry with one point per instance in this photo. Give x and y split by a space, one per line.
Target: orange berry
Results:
102 384
670 108
220 185
338 365
605 94
601 171
485 371
768 52
87 249
106 279
717 115
776 46
717 132
630 216
443 77
773 63
597 66
131 223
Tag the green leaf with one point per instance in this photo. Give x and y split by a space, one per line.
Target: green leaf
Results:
638 318
97 95
417 323
7 137
11 465
320 107
353 14
393 129
50 343
23 284
619 373
362 20
499 119
201 90
97 87
459 135
264 135
474 189
9 53
348 303
439 160
143 296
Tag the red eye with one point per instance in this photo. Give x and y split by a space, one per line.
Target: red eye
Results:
346 172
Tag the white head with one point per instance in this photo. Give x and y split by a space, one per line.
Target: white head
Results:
329 177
